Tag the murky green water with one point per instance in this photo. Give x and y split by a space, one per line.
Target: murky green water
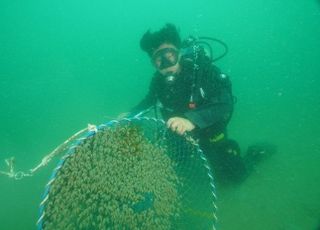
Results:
64 64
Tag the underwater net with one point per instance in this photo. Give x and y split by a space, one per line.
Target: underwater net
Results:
130 174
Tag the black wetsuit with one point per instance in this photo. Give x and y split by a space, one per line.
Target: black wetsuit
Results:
209 110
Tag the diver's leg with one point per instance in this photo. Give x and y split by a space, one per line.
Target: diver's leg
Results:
226 161
257 153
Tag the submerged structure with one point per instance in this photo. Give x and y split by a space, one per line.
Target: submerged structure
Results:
130 174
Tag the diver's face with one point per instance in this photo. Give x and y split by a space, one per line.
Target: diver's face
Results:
166 59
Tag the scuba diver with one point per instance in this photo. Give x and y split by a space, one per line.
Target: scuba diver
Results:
194 96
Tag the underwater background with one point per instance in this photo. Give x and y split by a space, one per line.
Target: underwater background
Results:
64 64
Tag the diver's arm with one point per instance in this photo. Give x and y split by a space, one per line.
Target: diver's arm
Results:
218 113
218 109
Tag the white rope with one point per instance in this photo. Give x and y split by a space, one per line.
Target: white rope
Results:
45 160
10 172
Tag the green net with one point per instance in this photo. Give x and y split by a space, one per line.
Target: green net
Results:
131 174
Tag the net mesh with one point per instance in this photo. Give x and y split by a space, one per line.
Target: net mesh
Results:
131 174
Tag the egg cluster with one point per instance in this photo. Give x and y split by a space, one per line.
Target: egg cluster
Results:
116 179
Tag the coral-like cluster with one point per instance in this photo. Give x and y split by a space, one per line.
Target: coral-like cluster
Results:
116 179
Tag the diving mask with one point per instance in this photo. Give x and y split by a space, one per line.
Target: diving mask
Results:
165 58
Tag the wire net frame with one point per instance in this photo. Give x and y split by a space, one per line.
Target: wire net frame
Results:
162 131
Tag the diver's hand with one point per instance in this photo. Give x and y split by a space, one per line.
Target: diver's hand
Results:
180 125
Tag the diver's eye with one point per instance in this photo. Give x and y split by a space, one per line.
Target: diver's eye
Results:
169 55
